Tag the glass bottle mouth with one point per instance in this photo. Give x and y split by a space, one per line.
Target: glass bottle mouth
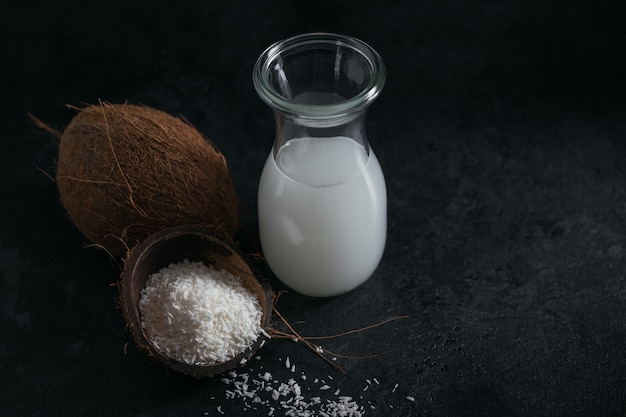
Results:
319 75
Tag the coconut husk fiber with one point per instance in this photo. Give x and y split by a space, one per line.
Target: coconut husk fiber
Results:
127 171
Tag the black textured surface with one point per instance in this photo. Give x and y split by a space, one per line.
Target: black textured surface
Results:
501 134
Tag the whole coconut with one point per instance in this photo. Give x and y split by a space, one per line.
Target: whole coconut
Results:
127 171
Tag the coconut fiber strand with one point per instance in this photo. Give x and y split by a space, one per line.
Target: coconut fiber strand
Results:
127 171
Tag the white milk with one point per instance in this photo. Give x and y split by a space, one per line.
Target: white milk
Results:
322 215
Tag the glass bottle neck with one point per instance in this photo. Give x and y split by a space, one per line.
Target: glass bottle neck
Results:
319 85
290 127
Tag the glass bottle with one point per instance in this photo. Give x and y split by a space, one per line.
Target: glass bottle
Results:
322 196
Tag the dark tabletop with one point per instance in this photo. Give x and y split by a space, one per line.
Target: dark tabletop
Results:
501 133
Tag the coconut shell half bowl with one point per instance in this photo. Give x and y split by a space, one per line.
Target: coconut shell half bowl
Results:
173 245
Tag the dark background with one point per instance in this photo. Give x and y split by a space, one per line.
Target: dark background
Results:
502 137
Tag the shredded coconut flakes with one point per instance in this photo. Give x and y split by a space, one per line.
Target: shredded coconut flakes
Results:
287 398
198 315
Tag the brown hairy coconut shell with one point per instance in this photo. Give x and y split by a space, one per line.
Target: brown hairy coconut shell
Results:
127 171
172 245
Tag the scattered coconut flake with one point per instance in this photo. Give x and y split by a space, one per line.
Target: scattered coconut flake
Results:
268 395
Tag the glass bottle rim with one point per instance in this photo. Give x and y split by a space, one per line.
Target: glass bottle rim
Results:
353 104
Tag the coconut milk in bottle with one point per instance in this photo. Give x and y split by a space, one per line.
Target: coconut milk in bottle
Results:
322 214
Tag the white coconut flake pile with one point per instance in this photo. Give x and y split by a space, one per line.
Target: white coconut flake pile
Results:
198 315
